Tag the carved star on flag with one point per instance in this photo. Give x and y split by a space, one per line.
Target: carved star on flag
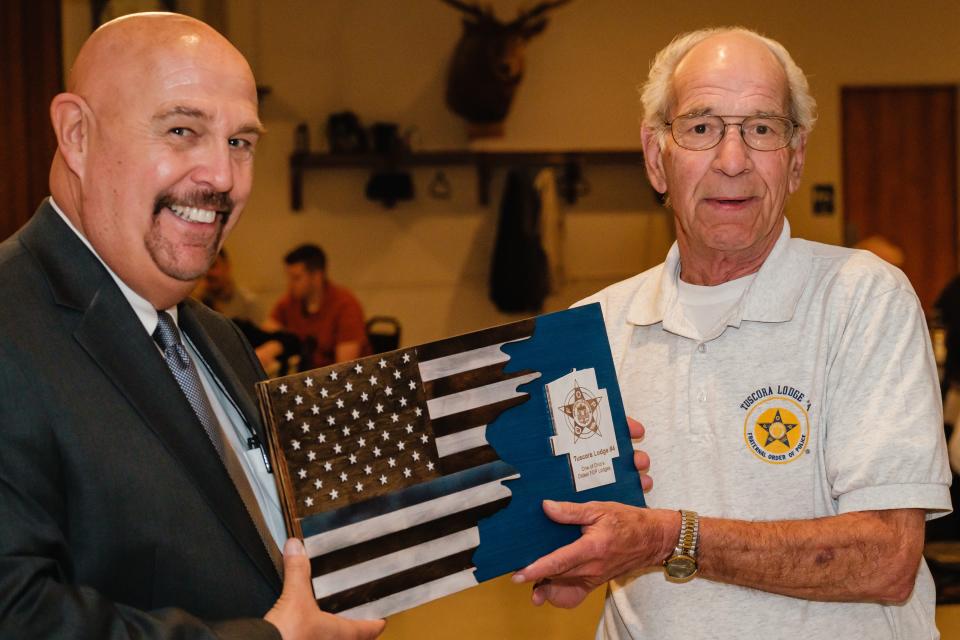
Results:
298 399
288 415
302 473
340 403
308 501
382 363
358 368
315 410
282 388
334 494
333 375
308 382
355 414
296 445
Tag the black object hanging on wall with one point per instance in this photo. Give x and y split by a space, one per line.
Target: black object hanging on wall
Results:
519 273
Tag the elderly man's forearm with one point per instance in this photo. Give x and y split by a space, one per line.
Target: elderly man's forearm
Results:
867 556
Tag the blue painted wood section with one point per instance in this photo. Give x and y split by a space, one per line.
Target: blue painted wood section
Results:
519 534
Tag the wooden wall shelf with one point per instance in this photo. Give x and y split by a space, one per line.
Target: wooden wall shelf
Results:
570 162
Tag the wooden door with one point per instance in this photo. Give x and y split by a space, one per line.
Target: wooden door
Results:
29 78
900 177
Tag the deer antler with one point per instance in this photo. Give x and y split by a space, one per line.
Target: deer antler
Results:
535 12
470 9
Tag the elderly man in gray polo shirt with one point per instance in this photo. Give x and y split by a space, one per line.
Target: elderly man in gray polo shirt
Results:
786 389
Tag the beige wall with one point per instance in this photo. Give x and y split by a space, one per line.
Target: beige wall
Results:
426 261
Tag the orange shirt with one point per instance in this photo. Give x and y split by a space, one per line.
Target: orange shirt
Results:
340 319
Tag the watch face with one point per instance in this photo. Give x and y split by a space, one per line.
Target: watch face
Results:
680 568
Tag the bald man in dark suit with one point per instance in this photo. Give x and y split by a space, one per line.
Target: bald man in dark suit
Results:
124 512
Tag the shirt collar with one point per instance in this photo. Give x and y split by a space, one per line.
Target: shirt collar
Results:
771 297
141 306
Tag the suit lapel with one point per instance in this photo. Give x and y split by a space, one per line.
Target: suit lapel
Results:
240 392
112 335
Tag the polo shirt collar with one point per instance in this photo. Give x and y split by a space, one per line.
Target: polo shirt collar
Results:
771 297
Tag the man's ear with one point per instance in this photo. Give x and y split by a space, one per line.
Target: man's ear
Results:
69 115
797 158
653 159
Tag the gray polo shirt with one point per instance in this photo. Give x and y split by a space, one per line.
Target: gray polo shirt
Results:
816 395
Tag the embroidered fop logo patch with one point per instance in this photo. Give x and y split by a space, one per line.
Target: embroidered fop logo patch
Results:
776 428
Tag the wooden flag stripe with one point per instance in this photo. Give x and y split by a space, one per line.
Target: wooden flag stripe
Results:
456 462
413 597
470 380
474 417
369 592
384 567
476 340
417 534
326 525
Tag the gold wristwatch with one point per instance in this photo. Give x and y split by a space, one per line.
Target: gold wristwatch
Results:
682 565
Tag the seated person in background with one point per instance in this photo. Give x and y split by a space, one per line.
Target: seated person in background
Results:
219 291
318 311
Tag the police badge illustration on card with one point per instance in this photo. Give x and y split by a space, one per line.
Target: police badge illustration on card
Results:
582 421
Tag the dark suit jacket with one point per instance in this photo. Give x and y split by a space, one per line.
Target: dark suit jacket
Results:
117 519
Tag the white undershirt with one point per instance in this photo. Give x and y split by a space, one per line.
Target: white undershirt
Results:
707 306
262 482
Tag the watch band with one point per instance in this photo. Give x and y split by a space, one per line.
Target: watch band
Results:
689 534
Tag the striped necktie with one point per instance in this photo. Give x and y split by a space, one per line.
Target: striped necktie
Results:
167 337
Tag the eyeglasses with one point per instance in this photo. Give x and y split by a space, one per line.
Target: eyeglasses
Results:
702 132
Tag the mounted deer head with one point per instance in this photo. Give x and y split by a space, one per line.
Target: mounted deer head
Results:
488 63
